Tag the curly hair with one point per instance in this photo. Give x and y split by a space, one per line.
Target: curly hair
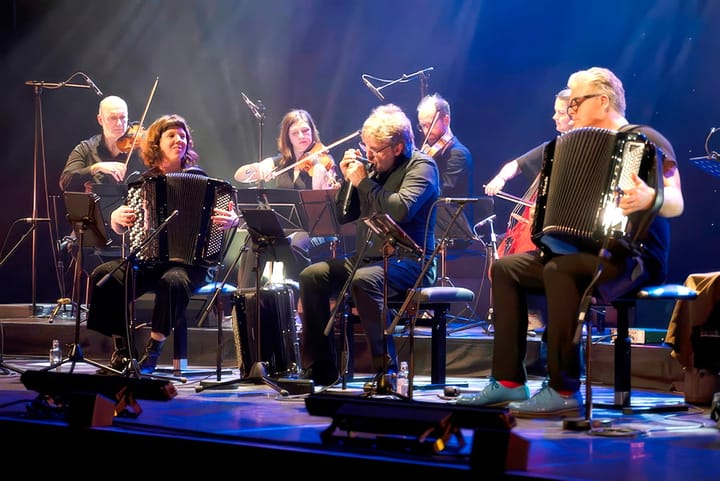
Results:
150 148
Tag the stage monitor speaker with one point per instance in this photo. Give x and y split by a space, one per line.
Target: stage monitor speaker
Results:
112 387
424 428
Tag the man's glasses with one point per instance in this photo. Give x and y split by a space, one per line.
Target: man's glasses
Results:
576 102
374 152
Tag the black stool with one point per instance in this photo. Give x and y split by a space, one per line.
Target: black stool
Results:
625 307
435 299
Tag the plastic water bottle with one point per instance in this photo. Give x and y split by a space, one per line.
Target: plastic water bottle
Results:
55 353
402 381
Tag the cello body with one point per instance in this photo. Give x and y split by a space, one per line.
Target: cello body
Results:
518 237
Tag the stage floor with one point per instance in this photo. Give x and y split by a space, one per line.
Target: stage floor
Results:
202 425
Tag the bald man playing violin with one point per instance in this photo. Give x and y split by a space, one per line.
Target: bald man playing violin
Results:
99 159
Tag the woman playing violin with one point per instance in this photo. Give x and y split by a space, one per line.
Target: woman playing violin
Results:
301 163
298 140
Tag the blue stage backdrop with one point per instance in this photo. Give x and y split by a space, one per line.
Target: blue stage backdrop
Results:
499 63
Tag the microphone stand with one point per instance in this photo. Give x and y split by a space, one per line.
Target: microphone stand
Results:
491 253
394 237
342 301
412 292
258 111
39 154
402 78
209 305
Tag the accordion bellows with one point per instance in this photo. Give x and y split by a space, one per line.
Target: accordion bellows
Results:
188 238
584 172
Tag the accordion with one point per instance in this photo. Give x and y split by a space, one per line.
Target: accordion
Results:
189 238
583 175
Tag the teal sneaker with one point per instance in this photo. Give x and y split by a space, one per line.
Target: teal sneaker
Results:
547 402
495 395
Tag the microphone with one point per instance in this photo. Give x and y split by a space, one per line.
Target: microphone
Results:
373 89
346 201
92 85
485 221
418 73
35 219
255 109
459 200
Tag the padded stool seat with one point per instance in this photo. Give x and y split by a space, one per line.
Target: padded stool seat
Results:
435 299
625 306
438 300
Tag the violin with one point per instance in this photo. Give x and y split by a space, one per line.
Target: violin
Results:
439 146
309 158
317 154
132 138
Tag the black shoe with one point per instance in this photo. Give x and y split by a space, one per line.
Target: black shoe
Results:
149 360
119 359
120 356
323 373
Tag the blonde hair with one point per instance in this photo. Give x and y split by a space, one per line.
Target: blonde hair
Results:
603 81
389 123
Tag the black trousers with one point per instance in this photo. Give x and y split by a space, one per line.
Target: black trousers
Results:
563 280
323 281
173 285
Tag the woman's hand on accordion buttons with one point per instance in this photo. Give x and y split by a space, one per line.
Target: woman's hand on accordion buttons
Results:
226 219
638 198
122 218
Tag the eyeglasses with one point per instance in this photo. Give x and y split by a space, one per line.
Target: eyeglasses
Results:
369 151
422 127
576 102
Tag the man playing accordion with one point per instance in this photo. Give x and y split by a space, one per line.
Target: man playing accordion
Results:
597 102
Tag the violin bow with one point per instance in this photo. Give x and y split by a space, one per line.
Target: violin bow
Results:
432 125
513 198
142 121
276 173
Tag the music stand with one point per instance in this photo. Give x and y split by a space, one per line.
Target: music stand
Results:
85 216
265 230
393 237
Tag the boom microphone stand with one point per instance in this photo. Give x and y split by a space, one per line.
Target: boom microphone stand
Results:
342 301
404 78
258 111
39 154
83 214
413 290
263 236
395 237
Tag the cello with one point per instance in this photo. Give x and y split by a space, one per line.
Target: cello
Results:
518 235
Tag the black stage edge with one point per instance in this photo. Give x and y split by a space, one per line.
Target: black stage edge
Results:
67 449
423 429
48 382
